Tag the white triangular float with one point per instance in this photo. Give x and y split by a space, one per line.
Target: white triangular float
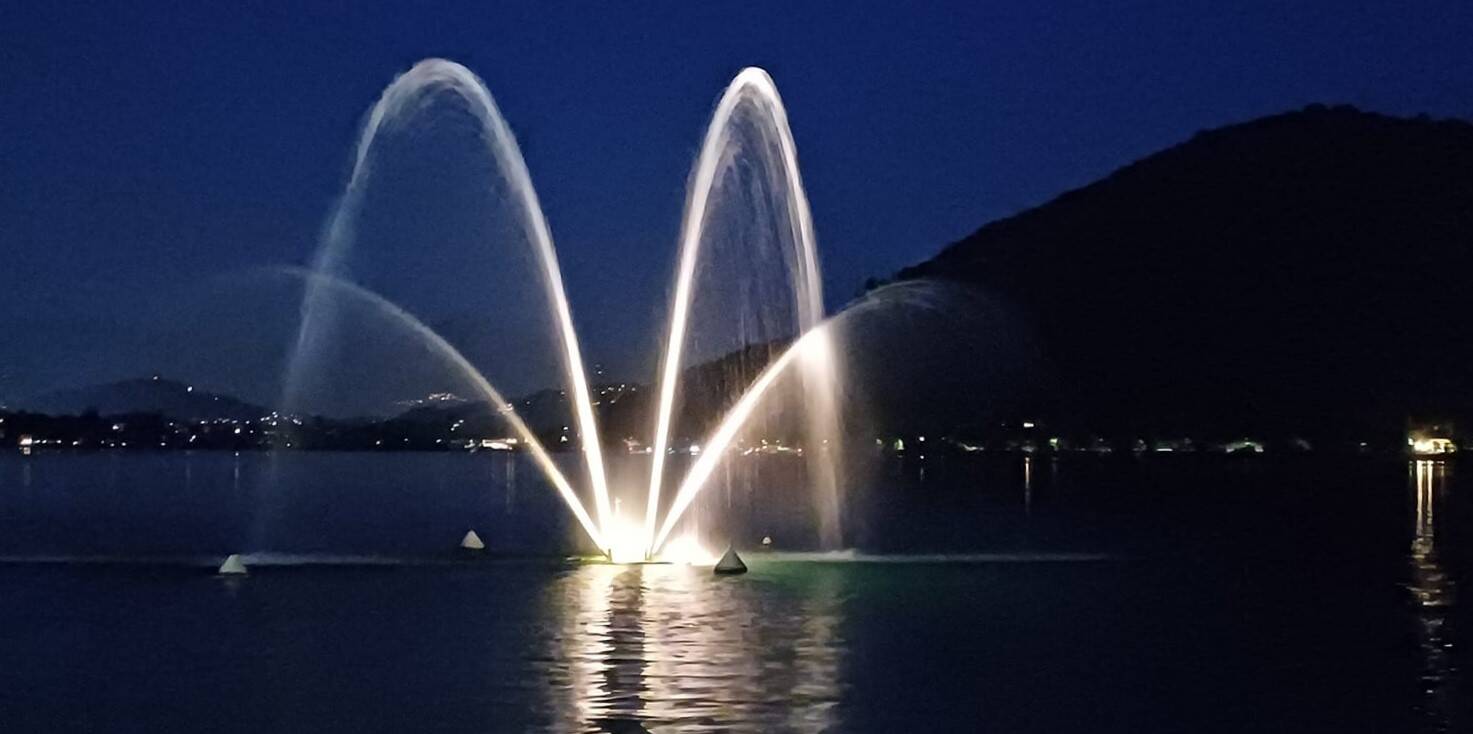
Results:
730 563
233 566
471 541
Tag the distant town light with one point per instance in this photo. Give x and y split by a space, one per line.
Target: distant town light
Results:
1244 445
1423 445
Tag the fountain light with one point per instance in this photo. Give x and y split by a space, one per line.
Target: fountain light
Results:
624 540
1424 445
686 550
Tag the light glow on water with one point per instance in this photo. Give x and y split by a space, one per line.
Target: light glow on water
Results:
687 550
623 540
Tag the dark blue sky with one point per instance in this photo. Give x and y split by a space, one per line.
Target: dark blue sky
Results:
149 149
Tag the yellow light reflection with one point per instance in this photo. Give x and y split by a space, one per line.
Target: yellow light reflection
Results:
671 646
1431 591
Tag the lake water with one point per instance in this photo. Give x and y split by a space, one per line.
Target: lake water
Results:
1077 594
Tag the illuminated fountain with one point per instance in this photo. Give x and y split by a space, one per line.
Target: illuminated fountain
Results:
750 105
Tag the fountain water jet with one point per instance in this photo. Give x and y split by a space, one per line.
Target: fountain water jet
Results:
815 343
403 100
815 348
326 285
752 89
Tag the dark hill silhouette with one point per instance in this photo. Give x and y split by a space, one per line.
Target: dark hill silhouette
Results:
1310 272
144 395
624 409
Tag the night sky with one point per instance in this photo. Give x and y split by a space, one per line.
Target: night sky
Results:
150 153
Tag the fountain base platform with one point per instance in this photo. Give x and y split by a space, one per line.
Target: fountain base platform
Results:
472 542
232 566
730 564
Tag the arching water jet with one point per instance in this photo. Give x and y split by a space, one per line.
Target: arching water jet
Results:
401 103
815 349
752 89
437 344
413 93
815 342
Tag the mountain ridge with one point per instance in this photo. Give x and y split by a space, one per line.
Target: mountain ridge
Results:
1301 268
154 394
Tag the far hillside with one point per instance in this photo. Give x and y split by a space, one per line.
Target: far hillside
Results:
1309 272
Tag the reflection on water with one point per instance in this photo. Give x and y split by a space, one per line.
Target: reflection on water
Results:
1186 593
643 647
1028 484
1432 593
509 479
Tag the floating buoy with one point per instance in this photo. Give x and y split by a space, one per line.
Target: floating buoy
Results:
471 541
730 563
233 566
767 542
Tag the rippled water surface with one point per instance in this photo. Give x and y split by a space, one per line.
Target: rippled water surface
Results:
1099 597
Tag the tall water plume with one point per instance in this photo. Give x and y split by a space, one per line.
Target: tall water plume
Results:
746 192
402 105
745 203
